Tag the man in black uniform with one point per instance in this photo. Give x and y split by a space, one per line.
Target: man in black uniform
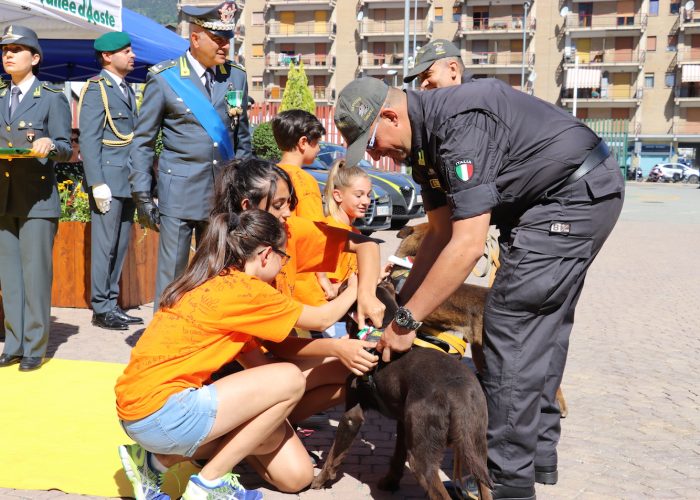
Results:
481 155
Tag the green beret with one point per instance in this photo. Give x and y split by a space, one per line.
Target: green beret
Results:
112 41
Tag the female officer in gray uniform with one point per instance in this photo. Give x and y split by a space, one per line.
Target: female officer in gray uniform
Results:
35 116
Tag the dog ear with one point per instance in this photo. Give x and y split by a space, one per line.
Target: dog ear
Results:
404 232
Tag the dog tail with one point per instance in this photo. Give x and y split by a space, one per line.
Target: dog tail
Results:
468 422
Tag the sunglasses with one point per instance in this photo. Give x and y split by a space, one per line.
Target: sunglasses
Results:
283 255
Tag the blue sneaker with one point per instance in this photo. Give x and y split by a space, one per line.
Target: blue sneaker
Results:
146 481
228 489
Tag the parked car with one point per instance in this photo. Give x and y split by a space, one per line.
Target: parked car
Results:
675 172
406 199
378 216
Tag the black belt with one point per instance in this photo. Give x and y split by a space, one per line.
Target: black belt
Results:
594 158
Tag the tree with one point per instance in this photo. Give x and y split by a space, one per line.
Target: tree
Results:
297 94
264 144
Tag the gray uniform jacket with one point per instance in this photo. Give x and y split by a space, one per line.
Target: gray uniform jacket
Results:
106 163
28 186
189 161
484 146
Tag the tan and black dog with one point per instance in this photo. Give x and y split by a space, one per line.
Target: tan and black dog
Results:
463 312
436 401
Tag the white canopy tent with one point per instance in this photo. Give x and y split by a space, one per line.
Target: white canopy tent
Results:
63 19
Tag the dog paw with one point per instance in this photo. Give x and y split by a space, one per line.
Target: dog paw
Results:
388 483
318 483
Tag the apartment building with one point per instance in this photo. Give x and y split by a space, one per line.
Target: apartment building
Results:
631 60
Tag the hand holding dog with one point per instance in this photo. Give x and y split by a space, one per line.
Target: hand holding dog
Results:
395 339
369 307
353 354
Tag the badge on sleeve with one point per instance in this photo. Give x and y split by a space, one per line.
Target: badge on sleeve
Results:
464 169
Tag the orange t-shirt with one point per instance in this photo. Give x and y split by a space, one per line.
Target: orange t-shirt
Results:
207 328
313 247
308 290
309 199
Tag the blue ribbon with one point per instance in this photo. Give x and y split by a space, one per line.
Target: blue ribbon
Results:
202 109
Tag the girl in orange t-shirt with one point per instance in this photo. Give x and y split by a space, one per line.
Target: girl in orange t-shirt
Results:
313 247
218 311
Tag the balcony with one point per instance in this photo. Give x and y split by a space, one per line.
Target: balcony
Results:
498 62
688 55
239 32
312 62
299 5
321 93
689 21
611 60
496 28
392 4
687 95
394 29
379 64
586 25
612 97
686 128
301 32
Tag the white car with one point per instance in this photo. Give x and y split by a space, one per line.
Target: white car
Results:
674 172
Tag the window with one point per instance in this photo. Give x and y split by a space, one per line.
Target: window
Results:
653 7
669 80
438 14
257 83
456 14
675 7
481 18
672 44
258 50
258 18
649 81
651 43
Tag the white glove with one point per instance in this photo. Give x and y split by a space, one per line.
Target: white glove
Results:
103 197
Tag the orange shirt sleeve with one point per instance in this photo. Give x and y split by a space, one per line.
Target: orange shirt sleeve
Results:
309 199
317 245
347 262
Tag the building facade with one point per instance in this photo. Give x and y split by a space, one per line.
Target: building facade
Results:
633 61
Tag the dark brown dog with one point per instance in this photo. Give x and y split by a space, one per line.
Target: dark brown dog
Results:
436 401
463 312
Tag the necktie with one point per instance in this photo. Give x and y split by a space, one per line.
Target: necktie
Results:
208 80
14 100
127 94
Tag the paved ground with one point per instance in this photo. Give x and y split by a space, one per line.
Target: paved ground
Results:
632 381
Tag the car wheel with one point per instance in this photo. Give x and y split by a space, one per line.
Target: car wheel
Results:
692 179
398 223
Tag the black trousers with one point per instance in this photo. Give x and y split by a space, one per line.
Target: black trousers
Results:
529 315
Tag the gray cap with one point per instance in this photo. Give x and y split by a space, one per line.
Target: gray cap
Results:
220 20
357 107
15 34
428 54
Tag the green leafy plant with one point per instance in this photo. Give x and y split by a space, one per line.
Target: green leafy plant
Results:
297 94
264 145
75 205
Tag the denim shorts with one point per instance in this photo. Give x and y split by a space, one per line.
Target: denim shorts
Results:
180 426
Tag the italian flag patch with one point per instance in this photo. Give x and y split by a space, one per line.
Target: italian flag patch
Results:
464 169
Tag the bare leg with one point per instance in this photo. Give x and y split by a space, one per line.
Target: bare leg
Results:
325 387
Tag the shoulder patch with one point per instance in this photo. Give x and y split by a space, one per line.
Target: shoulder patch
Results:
53 87
3 83
162 66
96 78
237 66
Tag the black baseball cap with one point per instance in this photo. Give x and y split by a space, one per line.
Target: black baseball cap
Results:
220 20
428 54
357 107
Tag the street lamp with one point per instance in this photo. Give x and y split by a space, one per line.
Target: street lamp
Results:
406 30
526 6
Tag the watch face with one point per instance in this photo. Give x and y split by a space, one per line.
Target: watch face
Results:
402 317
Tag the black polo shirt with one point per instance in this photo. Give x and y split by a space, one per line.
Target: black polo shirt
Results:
483 146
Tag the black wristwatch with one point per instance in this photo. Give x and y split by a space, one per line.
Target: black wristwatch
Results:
404 319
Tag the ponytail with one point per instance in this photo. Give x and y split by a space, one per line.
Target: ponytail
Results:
340 177
230 240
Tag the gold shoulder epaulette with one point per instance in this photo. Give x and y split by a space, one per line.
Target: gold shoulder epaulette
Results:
237 66
162 66
53 87
96 78
3 83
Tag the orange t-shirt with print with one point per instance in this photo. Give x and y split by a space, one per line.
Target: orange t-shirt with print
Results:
313 247
309 199
347 262
207 328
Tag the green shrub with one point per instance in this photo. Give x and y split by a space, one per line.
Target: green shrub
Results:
264 145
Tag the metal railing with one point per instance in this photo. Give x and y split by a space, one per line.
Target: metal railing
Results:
688 54
580 20
320 92
496 24
611 93
310 60
609 56
499 58
686 91
368 26
379 59
307 28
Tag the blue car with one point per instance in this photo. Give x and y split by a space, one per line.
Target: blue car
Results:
407 202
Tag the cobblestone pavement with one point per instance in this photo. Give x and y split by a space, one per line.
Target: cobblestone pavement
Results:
632 382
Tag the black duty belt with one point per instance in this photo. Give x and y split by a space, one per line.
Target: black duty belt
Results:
594 158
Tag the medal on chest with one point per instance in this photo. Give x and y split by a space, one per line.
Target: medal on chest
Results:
234 104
